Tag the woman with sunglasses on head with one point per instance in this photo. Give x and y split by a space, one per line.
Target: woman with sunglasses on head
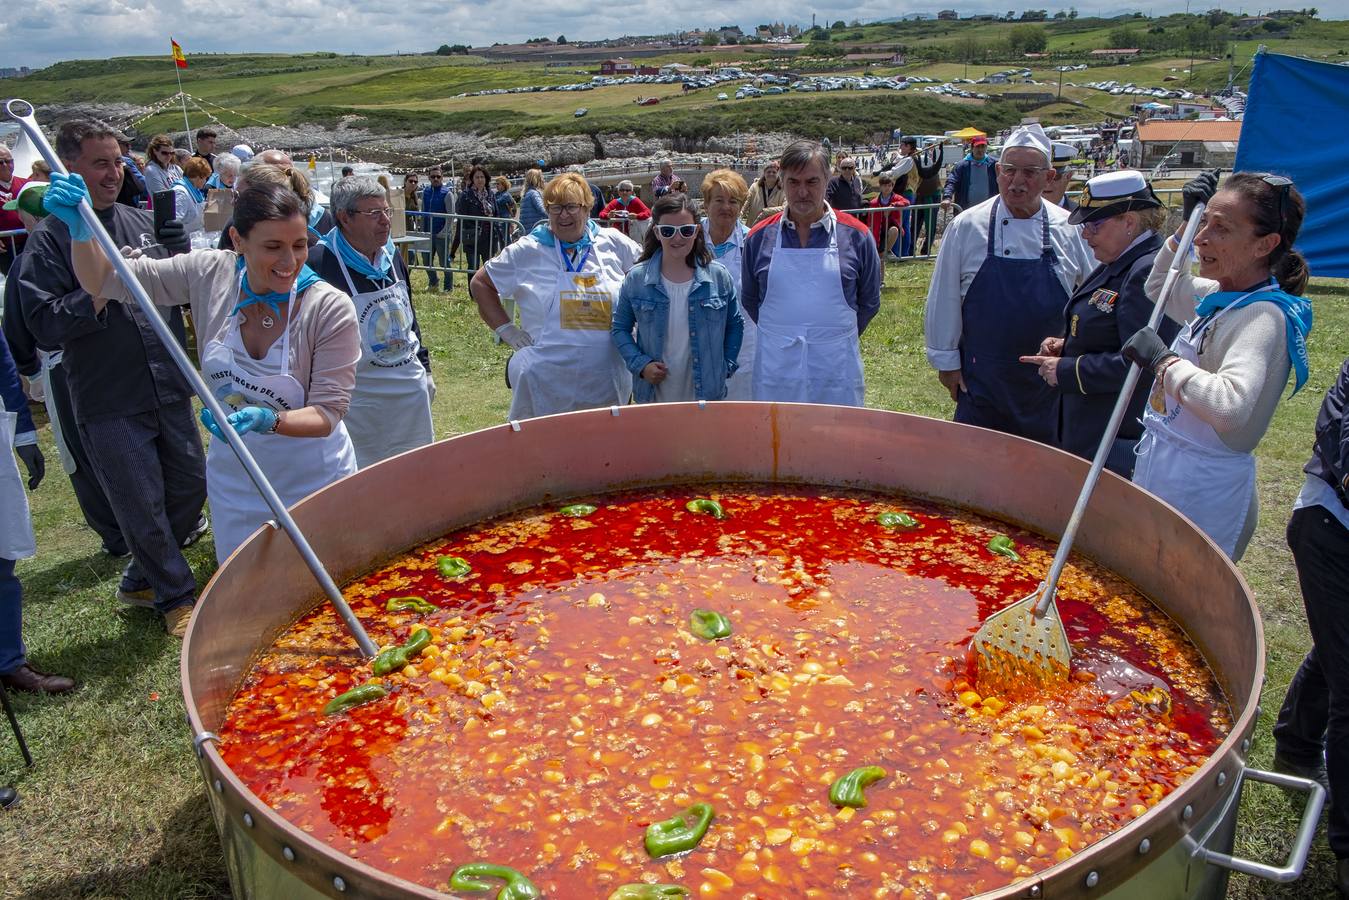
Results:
1219 382
624 209
565 277
683 305
1121 219
279 345
161 172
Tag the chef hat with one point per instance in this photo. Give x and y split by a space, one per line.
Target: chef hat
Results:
1063 154
1111 194
1032 136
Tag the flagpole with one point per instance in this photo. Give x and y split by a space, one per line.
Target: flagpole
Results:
187 128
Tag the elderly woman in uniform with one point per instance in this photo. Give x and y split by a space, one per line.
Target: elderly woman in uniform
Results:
390 408
279 346
1219 382
724 194
565 276
1120 218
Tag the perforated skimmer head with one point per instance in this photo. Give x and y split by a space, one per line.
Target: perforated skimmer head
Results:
1016 649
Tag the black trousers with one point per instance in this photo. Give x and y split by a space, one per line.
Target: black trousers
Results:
1315 714
88 492
153 470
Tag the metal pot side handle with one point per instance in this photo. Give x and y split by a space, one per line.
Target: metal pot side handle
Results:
1291 870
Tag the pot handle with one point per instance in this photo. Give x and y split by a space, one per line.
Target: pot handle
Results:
1291 870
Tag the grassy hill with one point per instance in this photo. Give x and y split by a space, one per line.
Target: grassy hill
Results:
421 94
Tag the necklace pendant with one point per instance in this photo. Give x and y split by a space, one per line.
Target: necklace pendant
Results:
268 321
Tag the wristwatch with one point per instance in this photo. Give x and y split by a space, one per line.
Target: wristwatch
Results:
276 423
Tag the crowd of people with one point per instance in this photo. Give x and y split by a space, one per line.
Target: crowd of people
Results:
307 334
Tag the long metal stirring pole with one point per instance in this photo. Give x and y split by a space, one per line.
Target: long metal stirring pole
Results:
1178 264
16 111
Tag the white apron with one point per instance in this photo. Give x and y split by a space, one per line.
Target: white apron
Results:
739 386
573 363
16 526
390 409
296 467
51 361
1182 460
808 348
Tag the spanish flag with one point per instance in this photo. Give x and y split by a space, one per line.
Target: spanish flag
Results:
179 59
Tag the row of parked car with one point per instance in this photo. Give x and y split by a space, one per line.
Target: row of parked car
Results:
1116 89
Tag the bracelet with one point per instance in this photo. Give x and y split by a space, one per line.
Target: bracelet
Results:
276 423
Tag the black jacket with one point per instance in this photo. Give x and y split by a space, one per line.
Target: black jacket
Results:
841 193
114 361
1330 456
1100 316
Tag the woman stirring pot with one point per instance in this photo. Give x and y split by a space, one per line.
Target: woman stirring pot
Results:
280 346
1219 383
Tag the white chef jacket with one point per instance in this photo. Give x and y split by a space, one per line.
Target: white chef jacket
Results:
963 250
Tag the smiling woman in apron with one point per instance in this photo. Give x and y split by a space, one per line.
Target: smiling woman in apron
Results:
278 345
390 408
724 193
564 276
1220 381
811 282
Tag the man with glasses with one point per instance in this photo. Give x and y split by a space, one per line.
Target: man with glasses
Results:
9 221
845 188
1061 176
1003 276
437 198
390 409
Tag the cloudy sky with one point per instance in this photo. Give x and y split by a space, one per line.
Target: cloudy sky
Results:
40 32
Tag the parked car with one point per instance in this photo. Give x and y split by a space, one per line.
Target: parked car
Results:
581 112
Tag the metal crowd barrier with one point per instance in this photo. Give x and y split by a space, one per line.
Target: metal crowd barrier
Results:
936 218
461 244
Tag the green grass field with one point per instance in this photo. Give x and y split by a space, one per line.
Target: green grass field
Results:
115 807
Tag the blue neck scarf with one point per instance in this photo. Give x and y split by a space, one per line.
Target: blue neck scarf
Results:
986 161
192 190
274 299
1297 314
215 182
314 215
720 250
544 235
380 270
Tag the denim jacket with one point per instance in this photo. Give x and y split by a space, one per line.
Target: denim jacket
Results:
715 327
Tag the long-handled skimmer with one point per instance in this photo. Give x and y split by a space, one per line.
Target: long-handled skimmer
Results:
1025 643
21 111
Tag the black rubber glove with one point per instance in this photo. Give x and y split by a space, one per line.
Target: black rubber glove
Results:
1197 190
33 461
1147 349
173 237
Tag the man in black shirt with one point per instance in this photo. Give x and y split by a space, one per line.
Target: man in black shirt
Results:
132 406
206 145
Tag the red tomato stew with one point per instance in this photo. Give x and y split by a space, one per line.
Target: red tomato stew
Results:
562 687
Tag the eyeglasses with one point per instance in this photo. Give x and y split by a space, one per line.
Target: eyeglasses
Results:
435 177
625 190
570 209
1090 228
1285 186
669 231
1013 171
847 168
373 214
6 162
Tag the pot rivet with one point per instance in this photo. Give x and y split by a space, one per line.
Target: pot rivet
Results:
1222 779
1259 710
288 853
1144 846
1187 813
339 883
1093 879
1035 890
218 786
248 820
1246 746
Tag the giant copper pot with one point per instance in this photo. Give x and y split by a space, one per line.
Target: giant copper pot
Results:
1178 849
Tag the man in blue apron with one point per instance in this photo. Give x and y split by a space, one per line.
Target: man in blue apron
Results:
390 408
1001 281
811 281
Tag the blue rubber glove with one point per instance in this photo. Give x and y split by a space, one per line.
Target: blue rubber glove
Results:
209 421
62 200
253 418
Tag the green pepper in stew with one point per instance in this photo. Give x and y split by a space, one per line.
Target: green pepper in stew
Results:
518 887
706 506
395 658
897 520
709 625
1002 545
577 510
682 832
649 891
453 566
357 696
410 604
847 791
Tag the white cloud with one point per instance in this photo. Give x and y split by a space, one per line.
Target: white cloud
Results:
47 31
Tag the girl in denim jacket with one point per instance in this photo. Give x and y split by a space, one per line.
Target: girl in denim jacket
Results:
684 307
